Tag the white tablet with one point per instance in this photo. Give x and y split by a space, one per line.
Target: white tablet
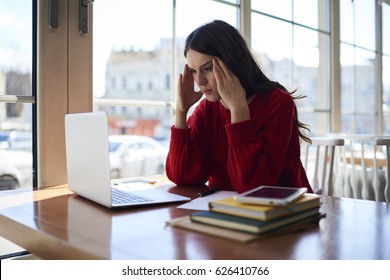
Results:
270 195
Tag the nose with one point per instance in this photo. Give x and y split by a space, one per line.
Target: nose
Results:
201 79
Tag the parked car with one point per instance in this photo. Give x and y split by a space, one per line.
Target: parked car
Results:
16 140
134 155
15 169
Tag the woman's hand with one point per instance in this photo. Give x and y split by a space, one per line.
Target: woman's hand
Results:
187 97
232 93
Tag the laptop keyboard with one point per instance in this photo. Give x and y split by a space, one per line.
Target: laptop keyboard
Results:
122 197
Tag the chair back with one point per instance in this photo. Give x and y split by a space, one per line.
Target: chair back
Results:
363 167
384 142
318 161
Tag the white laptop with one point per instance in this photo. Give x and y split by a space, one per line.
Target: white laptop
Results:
88 164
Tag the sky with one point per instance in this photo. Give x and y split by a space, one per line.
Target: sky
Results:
15 34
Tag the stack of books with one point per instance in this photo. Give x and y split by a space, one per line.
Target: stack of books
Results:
229 213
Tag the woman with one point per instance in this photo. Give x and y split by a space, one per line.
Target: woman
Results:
245 133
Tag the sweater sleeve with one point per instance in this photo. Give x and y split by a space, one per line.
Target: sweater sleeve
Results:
187 163
257 147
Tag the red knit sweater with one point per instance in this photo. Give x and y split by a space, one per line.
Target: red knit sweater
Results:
264 150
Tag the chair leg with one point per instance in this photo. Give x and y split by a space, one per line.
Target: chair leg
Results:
387 188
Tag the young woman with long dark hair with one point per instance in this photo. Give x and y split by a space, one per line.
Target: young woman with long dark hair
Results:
246 132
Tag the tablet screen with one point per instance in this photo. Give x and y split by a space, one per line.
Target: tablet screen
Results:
272 192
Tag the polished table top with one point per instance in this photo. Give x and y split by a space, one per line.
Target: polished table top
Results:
54 223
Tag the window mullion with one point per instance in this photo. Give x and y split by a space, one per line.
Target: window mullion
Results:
335 67
379 67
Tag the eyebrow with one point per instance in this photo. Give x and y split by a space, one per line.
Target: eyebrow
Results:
206 64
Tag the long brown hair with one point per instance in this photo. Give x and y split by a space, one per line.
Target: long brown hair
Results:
222 40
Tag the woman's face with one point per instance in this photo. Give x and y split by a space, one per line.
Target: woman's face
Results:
201 68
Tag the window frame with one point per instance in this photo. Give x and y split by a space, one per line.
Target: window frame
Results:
63 56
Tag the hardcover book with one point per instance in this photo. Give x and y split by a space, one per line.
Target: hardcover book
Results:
262 212
252 225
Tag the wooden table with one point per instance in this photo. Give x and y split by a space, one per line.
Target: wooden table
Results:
54 223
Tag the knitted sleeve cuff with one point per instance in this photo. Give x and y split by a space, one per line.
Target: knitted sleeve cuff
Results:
180 134
241 132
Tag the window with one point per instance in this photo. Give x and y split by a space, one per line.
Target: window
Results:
16 94
295 52
150 63
358 62
136 65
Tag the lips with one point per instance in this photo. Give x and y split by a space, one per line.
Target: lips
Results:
207 91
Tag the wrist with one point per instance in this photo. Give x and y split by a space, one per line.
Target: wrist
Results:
239 113
181 119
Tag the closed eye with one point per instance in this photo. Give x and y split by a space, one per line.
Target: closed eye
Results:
208 68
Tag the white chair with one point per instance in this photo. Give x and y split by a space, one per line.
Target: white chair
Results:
318 161
385 142
355 169
361 174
